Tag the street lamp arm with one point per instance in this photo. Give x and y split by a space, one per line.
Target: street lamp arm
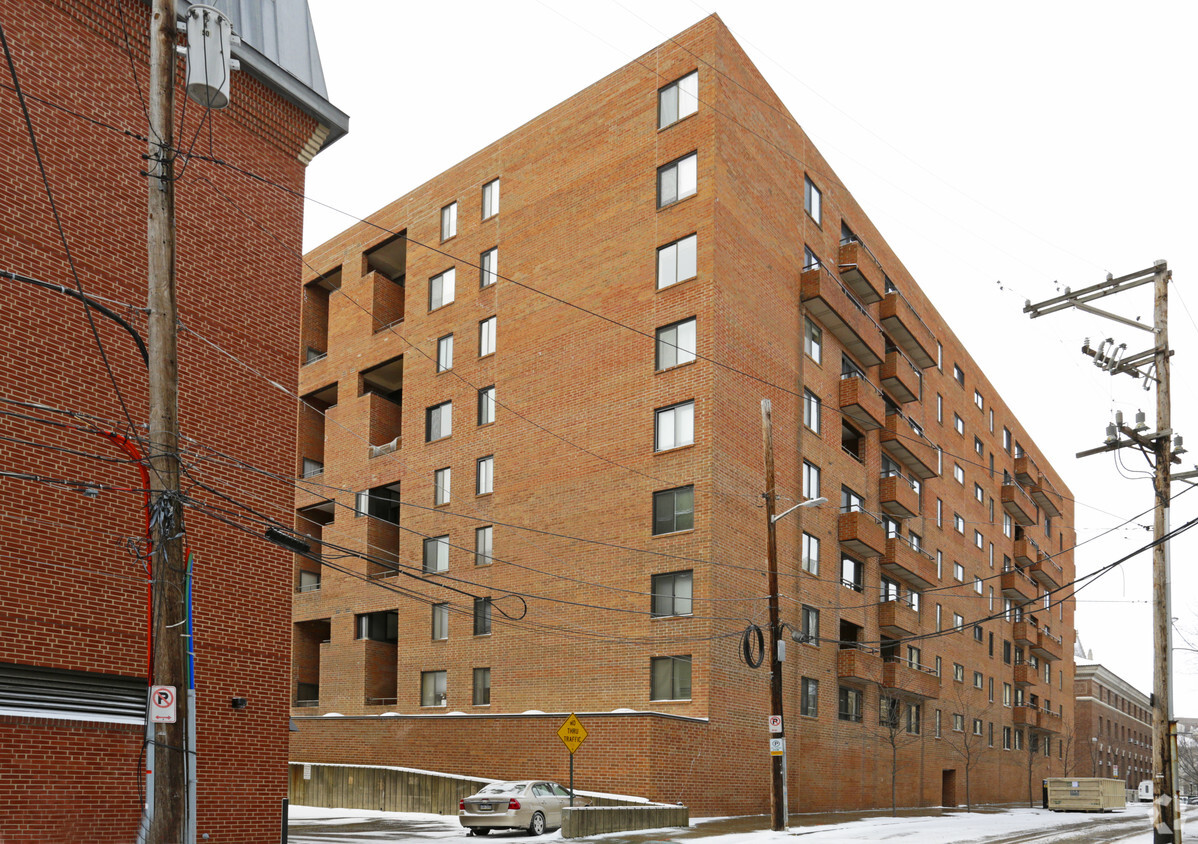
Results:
810 502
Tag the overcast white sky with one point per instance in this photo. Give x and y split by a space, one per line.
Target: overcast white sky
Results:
1021 142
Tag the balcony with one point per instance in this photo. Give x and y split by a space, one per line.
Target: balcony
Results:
1018 586
1047 646
900 376
1024 633
1047 497
897 497
832 304
1047 573
1018 503
1050 722
861 534
1027 552
900 677
910 564
1026 675
854 664
896 618
1025 470
1026 716
909 447
862 402
860 270
907 330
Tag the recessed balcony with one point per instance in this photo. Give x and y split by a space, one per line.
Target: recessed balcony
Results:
910 564
862 402
1018 503
898 497
857 665
898 619
907 330
900 376
860 270
861 534
1048 498
1018 586
829 301
900 677
909 447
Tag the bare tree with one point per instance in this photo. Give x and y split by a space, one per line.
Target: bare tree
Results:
898 727
1032 750
1067 747
967 737
1187 765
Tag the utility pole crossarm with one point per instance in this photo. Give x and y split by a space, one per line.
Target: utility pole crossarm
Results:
1072 299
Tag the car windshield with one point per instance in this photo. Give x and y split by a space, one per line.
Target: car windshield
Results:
503 788
559 791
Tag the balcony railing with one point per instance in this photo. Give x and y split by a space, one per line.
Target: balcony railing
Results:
898 619
902 677
1027 552
1025 470
909 563
1025 633
909 446
1047 573
1018 503
1047 646
1018 586
1042 493
381 701
1026 716
897 496
859 665
829 301
861 533
908 331
862 402
1026 675
861 271
900 376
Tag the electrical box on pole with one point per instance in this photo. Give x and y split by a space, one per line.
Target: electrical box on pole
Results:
209 52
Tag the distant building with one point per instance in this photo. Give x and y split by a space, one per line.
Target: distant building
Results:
73 583
472 448
1112 728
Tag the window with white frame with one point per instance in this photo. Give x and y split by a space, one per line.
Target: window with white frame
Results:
958 672
673 510
978 493
812 200
438 421
674 426
813 340
677 100
441 486
852 704
486 337
677 261
979 541
939 513
486 405
449 221
672 594
811 411
810 480
939 408
670 678
977 399
809 703
852 573
441 289
482 687
432 688
958 424
958 473
958 572
1006 440
1007 525
959 523
677 180
977 586
485 476
676 344
482 616
445 353
440 621
958 722
491 198
959 375
436 554
488 267
810 625
810 553
483 537
958 621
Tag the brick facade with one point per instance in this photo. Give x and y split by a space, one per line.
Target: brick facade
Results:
573 442
72 595
1112 730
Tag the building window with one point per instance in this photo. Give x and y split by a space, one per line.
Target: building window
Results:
445 353
958 474
810 622
1006 694
958 672
438 421
977 726
979 541
850 704
978 680
486 405
1006 440
1006 738
676 344
673 510
677 261
488 267
674 426
811 411
939 408
1007 528
810 554
436 554
442 479
977 587
958 722
914 711
813 340
486 337
482 616
378 626
977 399
890 590
958 622
449 221
978 493
485 476
939 513
810 480
677 180
482 545
978 446
959 375
440 289
672 594
432 688
491 198
851 573
670 678
813 201
677 100
482 682
809 702
959 524
958 424
937 724
440 621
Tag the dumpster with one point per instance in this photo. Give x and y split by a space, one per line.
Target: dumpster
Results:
1085 794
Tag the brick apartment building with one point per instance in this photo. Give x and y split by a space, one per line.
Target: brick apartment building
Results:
1112 727
527 508
73 591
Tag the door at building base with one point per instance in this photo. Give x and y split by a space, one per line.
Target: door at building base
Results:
948 788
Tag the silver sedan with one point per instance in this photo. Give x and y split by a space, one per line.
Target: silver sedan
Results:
528 804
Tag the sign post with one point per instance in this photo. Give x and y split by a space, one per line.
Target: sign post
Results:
572 734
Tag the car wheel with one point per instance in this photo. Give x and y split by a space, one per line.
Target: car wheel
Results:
479 830
537 825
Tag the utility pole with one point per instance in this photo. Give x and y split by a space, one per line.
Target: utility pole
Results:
169 797
1153 366
778 807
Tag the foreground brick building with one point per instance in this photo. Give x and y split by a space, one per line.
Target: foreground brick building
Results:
1112 728
73 593
531 454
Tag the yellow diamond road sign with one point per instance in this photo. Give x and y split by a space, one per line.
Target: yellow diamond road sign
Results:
572 733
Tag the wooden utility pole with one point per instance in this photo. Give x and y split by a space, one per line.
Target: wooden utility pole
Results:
169 575
778 808
1153 366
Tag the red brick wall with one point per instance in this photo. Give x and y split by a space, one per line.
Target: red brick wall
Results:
71 595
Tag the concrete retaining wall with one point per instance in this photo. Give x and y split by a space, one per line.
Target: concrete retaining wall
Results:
594 820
